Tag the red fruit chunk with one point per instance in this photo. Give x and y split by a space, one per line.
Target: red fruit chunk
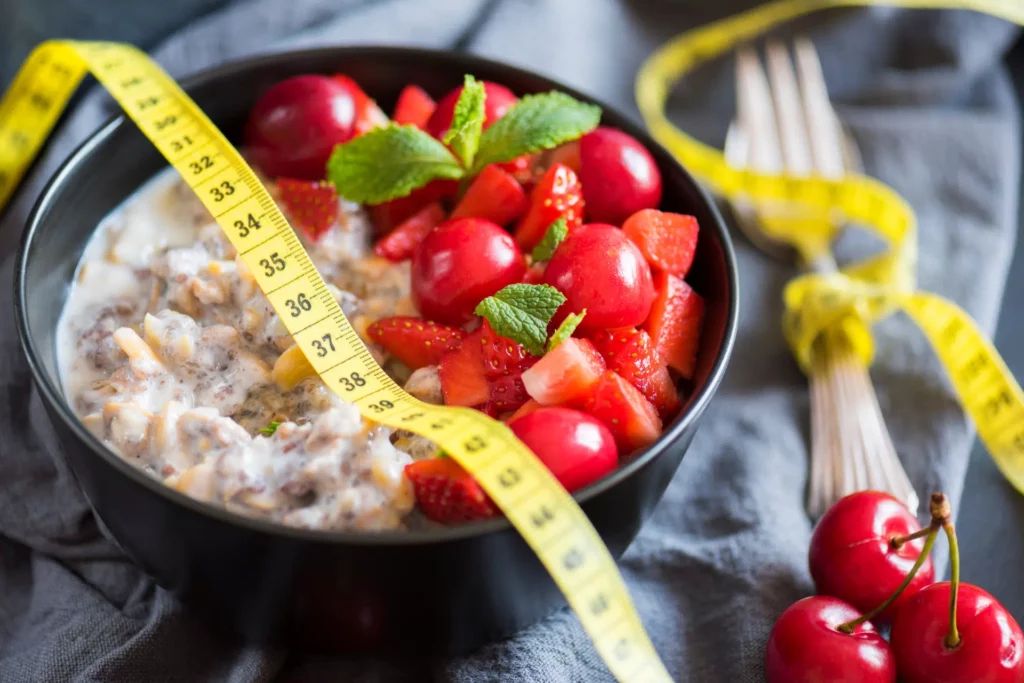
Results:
556 195
991 648
368 114
675 323
390 214
629 353
597 268
502 356
619 176
525 409
401 243
459 264
852 558
497 100
577 449
805 646
493 195
565 374
632 420
313 207
663 395
461 372
523 169
568 154
414 107
506 394
667 240
447 493
414 341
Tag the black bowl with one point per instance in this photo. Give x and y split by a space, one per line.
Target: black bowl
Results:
445 591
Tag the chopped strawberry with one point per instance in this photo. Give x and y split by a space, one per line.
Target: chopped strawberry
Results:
558 194
667 240
414 341
461 371
502 356
523 169
525 409
494 195
534 274
675 323
568 154
632 420
447 493
390 214
507 393
630 353
567 372
414 107
400 244
663 395
368 114
312 206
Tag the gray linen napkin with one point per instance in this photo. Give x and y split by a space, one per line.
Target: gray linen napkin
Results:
725 551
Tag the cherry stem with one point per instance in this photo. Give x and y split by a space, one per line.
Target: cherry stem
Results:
899 541
953 637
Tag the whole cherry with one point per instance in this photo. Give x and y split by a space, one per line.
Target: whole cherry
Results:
860 552
807 645
618 174
577 448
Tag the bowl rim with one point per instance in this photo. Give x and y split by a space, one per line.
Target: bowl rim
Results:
60 406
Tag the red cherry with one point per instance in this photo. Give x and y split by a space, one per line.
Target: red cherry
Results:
852 557
805 646
497 100
991 648
577 449
619 176
460 263
599 269
294 127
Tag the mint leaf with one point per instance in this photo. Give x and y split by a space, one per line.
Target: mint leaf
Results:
467 121
566 329
270 428
389 162
522 313
534 123
553 236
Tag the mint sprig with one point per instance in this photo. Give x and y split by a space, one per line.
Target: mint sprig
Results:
389 162
467 121
522 313
566 329
553 236
534 123
270 428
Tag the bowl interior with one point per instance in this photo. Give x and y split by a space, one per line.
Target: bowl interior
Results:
118 159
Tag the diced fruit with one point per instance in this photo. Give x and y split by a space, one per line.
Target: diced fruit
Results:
675 323
597 268
502 356
497 100
461 372
414 341
525 409
662 393
577 449
566 373
667 240
557 194
493 195
630 417
312 206
295 125
368 114
393 213
459 264
401 243
447 493
619 176
629 353
523 169
414 107
506 394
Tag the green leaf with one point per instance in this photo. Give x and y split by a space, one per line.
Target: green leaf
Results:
566 329
534 123
553 236
468 121
522 313
389 162
270 428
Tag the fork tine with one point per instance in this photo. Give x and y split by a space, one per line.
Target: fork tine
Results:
796 148
822 123
755 115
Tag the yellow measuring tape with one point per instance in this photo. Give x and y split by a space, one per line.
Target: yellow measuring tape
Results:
849 302
535 503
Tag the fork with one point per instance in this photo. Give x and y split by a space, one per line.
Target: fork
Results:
786 124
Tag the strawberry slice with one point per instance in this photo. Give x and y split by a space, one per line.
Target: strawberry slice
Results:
414 341
557 194
461 372
400 244
663 395
312 206
630 353
368 114
494 195
675 323
388 215
632 420
667 240
447 493
414 107
502 356
527 408
567 372
506 394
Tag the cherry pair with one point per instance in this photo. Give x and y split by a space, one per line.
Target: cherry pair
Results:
870 560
